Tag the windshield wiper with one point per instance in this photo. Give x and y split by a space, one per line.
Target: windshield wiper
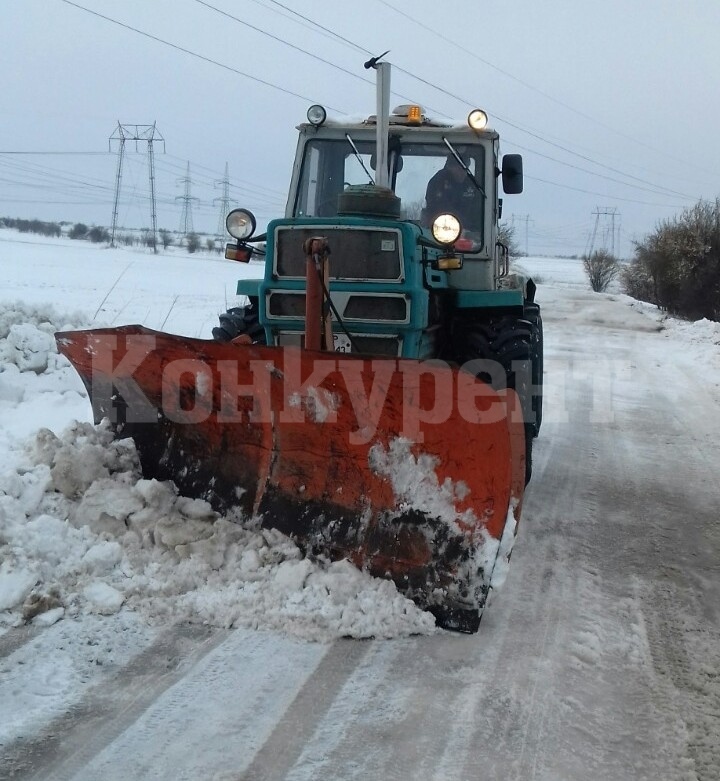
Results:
464 165
359 158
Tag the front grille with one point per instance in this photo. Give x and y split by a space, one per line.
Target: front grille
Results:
286 305
352 306
355 253
376 308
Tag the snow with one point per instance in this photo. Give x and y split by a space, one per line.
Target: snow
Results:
572 675
76 516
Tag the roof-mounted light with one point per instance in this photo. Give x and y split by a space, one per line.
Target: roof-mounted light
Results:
412 113
477 119
240 224
316 115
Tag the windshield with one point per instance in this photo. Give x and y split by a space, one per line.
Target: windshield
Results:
426 177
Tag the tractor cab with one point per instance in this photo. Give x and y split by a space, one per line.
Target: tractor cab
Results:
333 156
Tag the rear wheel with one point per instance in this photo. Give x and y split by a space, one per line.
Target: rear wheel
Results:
508 344
532 314
239 321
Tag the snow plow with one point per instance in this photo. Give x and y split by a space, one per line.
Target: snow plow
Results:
377 397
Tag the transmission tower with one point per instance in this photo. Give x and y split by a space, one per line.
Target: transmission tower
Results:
136 133
186 219
611 219
224 202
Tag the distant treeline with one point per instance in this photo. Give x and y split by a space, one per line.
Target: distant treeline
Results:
79 230
193 242
32 226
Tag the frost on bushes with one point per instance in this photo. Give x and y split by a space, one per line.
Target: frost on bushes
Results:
601 268
82 532
678 266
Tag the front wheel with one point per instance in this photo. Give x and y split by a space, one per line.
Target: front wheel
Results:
240 321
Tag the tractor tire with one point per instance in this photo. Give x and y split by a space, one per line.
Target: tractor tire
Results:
509 343
238 321
532 314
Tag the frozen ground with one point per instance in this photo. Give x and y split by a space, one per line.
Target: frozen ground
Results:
141 637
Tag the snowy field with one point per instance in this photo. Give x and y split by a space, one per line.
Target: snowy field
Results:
96 563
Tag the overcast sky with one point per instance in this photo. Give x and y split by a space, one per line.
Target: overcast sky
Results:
613 105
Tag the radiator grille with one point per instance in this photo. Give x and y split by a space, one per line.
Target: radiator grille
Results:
356 253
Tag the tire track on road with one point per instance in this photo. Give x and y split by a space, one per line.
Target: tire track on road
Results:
70 741
293 732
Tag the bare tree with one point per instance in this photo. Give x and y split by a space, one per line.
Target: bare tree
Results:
601 268
193 242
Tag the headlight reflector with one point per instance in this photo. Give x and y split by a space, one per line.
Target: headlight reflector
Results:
446 228
240 224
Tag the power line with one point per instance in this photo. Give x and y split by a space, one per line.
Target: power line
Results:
313 55
603 195
547 96
657 188
190 52
32 153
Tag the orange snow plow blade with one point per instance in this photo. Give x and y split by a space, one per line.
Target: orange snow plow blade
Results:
410 469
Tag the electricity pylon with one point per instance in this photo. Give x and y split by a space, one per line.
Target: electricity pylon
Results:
609 213
136 133
224 202
186 219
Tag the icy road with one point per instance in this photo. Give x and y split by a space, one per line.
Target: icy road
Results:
598 660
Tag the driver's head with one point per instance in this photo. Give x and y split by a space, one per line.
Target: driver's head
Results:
452 165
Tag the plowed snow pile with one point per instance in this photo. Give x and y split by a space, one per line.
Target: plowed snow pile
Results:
81 531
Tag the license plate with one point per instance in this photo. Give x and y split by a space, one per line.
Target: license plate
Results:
342 343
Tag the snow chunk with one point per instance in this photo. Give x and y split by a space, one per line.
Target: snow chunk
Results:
102 598
15 586
103 557
28 348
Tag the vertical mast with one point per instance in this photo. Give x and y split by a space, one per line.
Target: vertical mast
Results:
382 178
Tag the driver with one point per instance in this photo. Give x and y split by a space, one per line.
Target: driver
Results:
451 190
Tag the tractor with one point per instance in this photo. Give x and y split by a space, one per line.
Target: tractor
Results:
377 396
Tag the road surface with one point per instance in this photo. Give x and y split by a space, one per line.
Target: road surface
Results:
599 660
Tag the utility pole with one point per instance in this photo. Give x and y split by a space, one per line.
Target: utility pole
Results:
224 202
136 133
186 220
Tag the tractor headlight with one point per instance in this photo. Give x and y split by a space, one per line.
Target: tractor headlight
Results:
446 228
240 224
316 115
477 119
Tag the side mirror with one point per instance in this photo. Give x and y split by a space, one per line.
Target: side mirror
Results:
512 174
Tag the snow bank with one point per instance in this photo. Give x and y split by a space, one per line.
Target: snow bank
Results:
38 387
82 531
